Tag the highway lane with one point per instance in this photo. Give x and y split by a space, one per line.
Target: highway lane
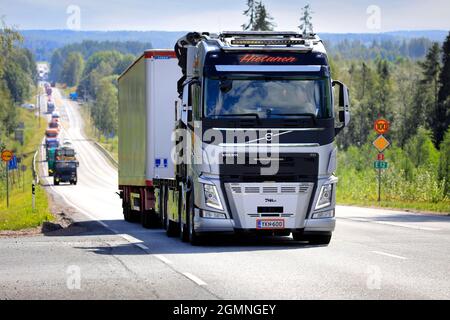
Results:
374 254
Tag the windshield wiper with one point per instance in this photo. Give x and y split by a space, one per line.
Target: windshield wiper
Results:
311 115
239 115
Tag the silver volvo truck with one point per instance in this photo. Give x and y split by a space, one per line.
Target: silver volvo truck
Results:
252 147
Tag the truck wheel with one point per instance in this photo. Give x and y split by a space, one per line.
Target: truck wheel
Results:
149 219
127 214
194 238
184 227
171 228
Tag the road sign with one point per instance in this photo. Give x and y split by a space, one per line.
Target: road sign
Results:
381 143
381 126
12 164
380 156
7 155
380 164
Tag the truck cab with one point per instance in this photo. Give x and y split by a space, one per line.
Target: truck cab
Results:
65 171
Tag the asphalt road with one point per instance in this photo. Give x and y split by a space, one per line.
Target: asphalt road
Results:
374 254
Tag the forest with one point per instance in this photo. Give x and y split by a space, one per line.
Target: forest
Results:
403 81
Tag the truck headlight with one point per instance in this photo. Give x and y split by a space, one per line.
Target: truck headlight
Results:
212 198
325 195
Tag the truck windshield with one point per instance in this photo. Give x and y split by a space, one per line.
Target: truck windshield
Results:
66 165
267 97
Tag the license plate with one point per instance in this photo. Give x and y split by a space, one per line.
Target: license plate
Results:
269 224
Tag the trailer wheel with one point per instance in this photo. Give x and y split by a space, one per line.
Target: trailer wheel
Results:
128 215
149 219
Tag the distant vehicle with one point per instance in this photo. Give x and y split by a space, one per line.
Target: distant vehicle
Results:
28 106
65 153
51 133
67 142
55 116
53 84
54 125
73 96
51 152
50 106
51 144
65 171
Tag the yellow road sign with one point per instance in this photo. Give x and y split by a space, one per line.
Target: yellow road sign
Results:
381 143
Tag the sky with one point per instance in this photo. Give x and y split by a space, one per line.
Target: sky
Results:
336 16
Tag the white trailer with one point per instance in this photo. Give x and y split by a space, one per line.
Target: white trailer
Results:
147 92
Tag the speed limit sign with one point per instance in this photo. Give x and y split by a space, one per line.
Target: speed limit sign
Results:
381 126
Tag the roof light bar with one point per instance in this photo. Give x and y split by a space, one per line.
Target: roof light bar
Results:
266 42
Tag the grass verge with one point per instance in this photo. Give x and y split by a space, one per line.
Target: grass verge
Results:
20 215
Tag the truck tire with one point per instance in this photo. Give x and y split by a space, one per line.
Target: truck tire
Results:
171 228
184 227
194 238
149 219
128 214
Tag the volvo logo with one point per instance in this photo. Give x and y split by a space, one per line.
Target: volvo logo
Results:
270 200
269 136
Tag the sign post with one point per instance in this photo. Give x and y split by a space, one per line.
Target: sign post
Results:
7 155
33 192
381 126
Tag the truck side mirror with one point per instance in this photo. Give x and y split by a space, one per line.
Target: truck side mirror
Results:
343 105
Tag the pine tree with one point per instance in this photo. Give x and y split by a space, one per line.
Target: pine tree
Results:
263 20
306 26
250 13
443 104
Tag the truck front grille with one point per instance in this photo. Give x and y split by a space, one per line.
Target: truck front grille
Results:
281 189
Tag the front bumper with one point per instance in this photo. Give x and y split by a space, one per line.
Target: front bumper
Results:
243 206
228 226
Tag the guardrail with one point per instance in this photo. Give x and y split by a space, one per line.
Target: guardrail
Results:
35 172
106 154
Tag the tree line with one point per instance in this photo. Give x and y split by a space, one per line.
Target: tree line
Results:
18 75
92 68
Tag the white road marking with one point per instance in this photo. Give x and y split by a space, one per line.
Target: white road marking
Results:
389 255
130 239
395 224
142 246
163 259
196 279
